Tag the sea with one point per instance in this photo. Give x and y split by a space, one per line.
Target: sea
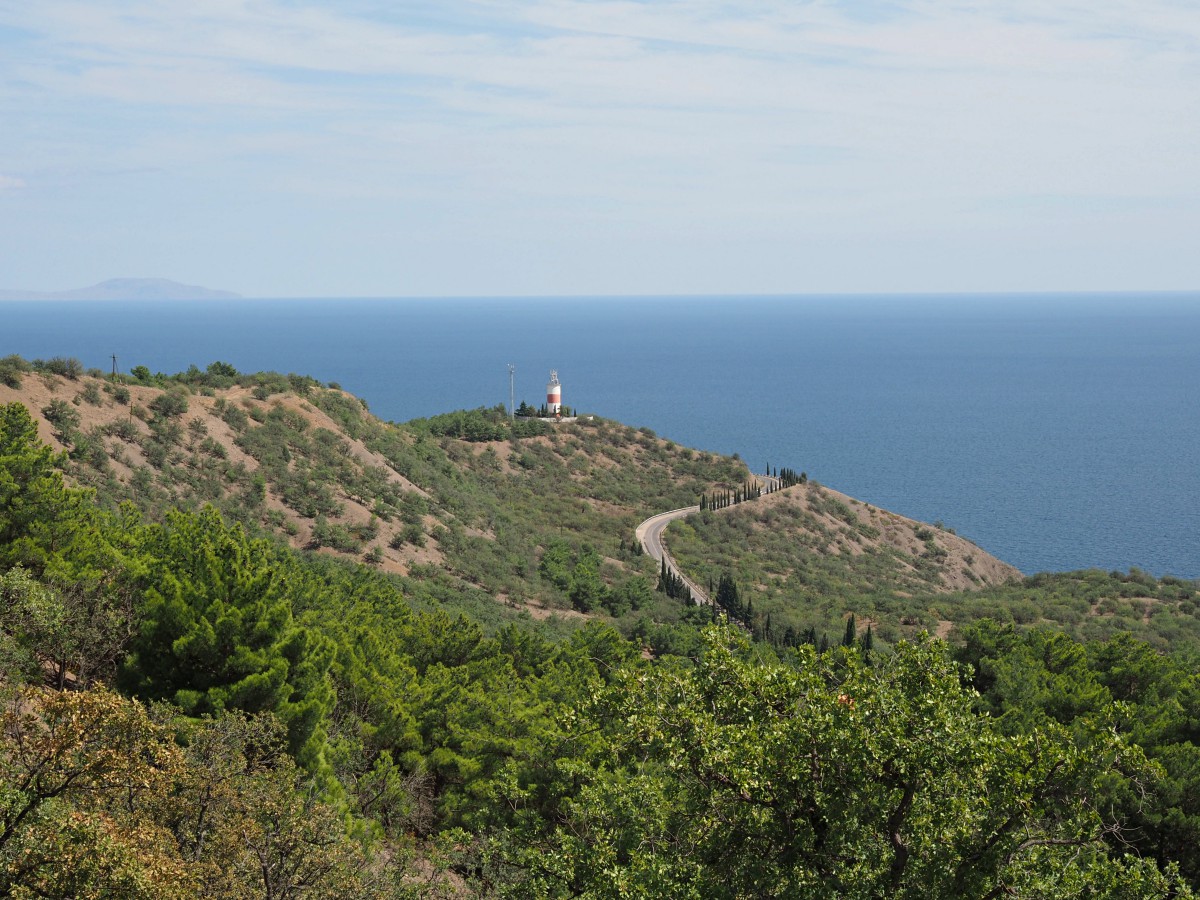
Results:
1058 432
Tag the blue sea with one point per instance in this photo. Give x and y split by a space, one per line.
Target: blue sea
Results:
1057 432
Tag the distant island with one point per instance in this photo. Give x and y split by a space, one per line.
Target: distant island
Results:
126 289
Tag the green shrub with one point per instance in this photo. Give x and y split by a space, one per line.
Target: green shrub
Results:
235 417
409 534
170 404
11 369
60 414
91 394
66 366
124 429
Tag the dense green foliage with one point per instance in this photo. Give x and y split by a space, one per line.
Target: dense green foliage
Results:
1040 678
216 630
825 777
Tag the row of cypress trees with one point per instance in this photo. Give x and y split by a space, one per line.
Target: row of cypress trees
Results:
722 499
673 585
752 490
788 477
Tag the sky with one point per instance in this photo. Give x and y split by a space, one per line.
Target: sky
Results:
595 147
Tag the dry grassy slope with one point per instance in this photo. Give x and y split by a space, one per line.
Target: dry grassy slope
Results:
578 458
126 456
963 565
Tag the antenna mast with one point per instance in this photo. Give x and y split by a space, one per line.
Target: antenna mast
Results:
512 409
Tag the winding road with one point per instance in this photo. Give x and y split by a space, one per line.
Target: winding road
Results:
650 534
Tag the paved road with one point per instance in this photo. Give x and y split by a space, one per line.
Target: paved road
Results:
650 532
650 535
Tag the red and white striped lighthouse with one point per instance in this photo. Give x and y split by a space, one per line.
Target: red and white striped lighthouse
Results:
554 394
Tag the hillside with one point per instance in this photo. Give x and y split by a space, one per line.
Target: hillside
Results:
458 493
191 707
530 519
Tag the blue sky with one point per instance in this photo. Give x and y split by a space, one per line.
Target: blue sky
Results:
288 148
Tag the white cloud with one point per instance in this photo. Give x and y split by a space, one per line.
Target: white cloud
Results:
9 183
545 118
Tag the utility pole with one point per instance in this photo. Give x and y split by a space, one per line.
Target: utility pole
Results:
512 397
114 374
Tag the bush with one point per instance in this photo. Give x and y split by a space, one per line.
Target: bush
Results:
89 448
166 432
60 414
124 429
409 534
66 366
235 417
170 404
91 394
11 369
335 535
156 454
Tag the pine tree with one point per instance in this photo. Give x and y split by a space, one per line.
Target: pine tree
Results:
727 596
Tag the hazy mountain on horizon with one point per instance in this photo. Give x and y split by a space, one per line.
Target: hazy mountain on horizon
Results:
126 289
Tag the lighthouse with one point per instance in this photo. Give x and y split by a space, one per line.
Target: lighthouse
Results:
554 394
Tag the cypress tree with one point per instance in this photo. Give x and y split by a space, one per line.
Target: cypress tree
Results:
851 632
